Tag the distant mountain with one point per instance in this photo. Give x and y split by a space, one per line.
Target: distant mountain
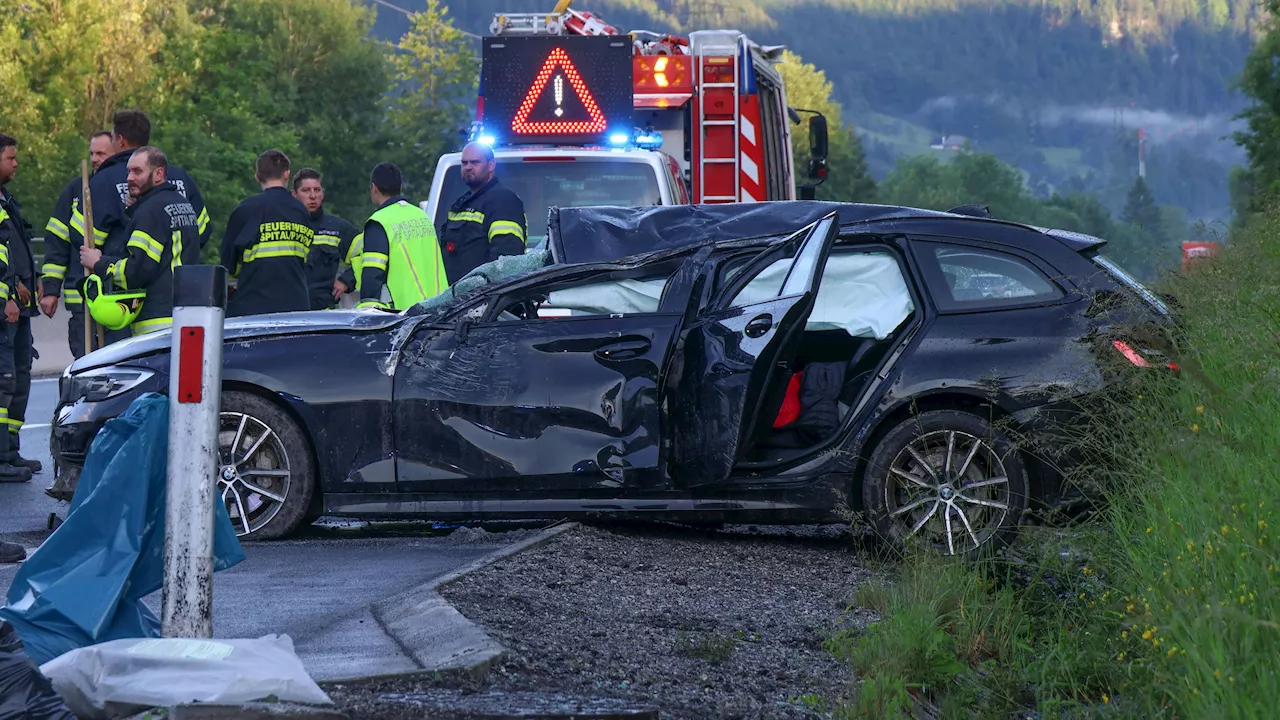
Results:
1057 87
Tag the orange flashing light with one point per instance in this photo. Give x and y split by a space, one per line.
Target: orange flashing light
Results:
661 74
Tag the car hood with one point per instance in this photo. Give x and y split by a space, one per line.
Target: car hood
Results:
244 328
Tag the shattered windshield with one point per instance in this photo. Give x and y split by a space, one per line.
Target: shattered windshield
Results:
502 269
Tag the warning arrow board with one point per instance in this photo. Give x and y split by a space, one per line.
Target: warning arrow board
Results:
556 89
559 76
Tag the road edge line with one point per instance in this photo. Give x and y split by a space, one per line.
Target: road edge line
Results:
432 633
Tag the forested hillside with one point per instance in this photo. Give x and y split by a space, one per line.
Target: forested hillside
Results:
1056 87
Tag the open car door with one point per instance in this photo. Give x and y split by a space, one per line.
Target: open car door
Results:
738 350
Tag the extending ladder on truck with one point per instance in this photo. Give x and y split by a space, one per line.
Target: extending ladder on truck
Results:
717 151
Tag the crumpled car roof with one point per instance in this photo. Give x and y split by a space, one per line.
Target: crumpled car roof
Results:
602 233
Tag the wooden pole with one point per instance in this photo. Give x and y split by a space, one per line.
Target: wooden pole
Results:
87 205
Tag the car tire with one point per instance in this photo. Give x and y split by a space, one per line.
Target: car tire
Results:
968 507
271 479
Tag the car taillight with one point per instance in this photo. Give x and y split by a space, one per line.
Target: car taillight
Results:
1134 357
1130 354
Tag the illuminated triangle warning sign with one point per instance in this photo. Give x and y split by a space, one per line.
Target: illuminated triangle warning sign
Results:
568 75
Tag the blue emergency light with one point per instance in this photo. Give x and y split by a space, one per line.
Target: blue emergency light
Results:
637 138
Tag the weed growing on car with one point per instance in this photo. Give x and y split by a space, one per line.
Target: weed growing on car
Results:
1166 601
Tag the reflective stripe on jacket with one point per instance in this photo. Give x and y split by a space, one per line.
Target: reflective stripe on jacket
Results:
409 256
481 226
164 233
266 244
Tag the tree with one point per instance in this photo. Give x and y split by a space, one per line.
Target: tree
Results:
924 181
300 76
1140 210
65 67
850 179
1260 82
436 72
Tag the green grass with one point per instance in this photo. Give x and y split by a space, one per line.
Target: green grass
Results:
1164 604
1066 160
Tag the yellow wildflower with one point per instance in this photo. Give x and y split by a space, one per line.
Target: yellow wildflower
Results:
1200 409
1195 427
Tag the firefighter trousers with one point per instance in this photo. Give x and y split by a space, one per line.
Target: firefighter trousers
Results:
75 333
15 383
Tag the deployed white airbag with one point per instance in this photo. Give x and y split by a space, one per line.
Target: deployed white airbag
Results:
863 294
624 297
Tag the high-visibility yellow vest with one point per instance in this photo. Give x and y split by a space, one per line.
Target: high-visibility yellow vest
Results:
415 267
354 258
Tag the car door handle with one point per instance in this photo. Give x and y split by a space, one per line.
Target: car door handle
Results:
759 325
623 349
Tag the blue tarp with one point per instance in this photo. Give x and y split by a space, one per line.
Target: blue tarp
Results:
86 582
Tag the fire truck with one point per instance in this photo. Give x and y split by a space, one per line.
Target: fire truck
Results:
579 113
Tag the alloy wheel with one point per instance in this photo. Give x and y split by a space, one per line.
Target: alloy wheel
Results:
254 471
950 489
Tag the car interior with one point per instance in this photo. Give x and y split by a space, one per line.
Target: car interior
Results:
862 307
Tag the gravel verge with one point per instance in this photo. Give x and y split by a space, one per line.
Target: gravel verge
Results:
692 624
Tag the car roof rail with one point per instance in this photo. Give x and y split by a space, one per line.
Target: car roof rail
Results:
974 210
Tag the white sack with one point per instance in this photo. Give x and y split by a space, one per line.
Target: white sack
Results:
125 677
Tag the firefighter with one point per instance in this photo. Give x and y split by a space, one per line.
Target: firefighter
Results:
331 243
131 129
17 278
400 260
486 222
61 272
164 232
266 245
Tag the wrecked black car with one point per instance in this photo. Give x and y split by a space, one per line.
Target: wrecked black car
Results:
763 363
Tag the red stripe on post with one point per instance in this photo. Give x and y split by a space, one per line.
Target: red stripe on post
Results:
190 364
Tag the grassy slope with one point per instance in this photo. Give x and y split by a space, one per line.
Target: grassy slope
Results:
1167 603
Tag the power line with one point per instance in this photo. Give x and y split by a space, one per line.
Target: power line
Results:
407 13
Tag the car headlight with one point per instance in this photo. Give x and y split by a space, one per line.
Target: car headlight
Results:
96 385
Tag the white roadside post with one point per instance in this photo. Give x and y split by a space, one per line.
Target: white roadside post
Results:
195 394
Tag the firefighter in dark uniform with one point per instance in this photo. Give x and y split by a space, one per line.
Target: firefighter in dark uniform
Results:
163 234
331 243
17 284
266 245
486 222
63 238
110 189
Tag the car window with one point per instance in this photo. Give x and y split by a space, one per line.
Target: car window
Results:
976 278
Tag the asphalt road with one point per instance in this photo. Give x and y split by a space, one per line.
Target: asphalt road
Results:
24 508
317 589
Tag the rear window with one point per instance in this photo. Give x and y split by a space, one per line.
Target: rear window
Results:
977 278
561 183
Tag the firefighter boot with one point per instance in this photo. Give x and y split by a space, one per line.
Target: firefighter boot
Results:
33 465
10 470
